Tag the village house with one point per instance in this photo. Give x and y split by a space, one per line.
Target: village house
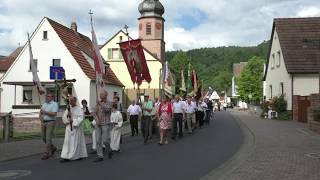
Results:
293 64
53 44
151 32
6 61
237 69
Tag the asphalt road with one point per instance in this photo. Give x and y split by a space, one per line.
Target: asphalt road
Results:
189 158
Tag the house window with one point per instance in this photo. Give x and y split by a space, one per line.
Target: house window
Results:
120 54
148 29
270 91
45 35
35 61
27 96
114 53
272 61
120 39
281 88
278 58
56 62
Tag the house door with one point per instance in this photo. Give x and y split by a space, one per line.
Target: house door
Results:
303 104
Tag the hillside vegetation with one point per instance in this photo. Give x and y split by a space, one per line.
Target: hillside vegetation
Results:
214 65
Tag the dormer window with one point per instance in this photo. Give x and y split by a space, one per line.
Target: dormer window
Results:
45 35
148 29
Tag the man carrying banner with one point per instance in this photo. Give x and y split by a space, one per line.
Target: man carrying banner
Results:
102 114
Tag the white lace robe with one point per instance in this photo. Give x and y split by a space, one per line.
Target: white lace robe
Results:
74 146
116 117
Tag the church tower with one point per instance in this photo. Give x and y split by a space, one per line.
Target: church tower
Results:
151 27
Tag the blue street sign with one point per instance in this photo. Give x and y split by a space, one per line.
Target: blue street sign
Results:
56 73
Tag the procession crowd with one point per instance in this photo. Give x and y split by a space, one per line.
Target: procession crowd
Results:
166 119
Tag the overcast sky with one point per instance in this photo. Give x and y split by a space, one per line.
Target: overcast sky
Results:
189 23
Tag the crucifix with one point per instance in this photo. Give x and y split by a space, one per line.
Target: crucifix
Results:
90 13
126 28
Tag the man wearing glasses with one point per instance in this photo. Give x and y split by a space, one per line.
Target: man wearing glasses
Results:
48 116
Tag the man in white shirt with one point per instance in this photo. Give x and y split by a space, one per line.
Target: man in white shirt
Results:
133 113
190 109
178 116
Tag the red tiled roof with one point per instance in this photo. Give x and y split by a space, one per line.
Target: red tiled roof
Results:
75 43
300 43
6 62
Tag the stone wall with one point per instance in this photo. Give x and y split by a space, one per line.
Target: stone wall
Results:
26 124
23 124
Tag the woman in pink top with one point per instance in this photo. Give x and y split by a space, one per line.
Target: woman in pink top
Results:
165 114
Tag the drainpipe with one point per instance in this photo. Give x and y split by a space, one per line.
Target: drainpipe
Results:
0 96
292 95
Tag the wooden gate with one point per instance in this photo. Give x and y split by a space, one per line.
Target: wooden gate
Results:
303 104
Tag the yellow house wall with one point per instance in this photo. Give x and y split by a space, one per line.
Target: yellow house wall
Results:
119 67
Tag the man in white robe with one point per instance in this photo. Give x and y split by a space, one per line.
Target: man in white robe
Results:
117 120
74 146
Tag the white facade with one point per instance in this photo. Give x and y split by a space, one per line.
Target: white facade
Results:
44 50
277 74
305 84
234 87
278 81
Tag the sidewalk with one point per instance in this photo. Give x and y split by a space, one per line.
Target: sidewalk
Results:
273 150
21 149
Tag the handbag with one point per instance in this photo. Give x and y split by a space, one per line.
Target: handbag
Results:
87 127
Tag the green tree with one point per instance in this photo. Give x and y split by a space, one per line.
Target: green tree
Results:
250 84
180 62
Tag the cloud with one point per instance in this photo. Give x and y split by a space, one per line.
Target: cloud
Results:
310 11
189 24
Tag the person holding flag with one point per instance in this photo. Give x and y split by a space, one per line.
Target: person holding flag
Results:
48 111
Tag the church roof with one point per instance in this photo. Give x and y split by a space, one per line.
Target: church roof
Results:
151 8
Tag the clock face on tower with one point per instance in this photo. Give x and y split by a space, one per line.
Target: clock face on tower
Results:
158 26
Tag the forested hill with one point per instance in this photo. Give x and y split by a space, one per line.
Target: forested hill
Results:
214 65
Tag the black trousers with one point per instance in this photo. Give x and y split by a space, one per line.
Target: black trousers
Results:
134 124
177 121
199 117
208 116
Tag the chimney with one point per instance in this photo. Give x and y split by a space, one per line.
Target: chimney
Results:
74 27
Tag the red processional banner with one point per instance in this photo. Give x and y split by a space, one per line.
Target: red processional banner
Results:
132 52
